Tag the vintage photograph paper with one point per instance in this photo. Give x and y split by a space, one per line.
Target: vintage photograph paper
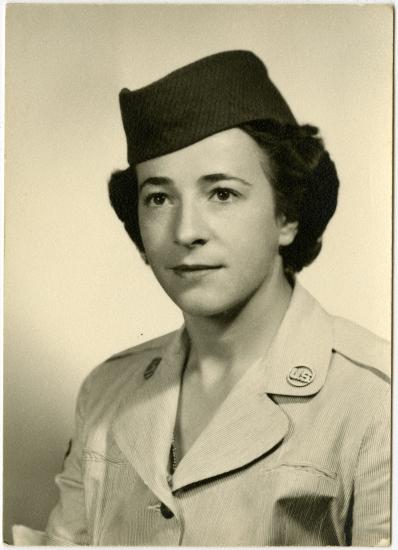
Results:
198 255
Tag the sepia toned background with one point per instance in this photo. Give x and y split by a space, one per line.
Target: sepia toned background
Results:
76 290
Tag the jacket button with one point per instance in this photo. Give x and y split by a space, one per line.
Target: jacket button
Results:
166 512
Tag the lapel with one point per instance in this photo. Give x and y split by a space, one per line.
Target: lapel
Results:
248 423
144 425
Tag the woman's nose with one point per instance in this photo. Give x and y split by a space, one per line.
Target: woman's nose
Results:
190 227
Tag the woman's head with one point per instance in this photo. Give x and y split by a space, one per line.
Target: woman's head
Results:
188 133
303 180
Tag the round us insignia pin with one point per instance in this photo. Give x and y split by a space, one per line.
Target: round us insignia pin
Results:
300 376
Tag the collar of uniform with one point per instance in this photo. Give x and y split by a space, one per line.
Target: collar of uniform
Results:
304 338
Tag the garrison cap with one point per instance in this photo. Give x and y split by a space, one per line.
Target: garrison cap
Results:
200 99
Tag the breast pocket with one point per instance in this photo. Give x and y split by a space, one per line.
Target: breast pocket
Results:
110 487
304 504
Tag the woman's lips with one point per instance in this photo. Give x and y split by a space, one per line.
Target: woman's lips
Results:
195 271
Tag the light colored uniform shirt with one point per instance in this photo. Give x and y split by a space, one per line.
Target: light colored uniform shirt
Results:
297 454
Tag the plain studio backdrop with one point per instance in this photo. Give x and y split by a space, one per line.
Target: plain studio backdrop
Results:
76 289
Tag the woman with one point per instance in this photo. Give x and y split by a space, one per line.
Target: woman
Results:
263 420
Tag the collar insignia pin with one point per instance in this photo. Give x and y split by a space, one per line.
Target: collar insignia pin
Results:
151 368
300 376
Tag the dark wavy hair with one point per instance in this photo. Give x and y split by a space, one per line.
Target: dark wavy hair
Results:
302 175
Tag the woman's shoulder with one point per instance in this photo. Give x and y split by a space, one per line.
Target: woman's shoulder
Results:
138 352
362 348
124 367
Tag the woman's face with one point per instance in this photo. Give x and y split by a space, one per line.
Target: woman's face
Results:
207 220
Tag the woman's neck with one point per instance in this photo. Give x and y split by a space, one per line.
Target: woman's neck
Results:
223 347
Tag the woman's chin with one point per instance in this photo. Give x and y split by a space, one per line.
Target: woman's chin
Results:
208 305
200 306
201 309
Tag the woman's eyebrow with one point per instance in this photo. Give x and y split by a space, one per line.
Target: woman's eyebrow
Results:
214 178
208 178
155 181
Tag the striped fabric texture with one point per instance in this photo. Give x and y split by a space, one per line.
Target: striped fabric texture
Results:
293 456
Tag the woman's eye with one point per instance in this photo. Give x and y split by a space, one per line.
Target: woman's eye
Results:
223 194
155 199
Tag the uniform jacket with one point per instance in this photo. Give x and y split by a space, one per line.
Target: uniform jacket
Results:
293 456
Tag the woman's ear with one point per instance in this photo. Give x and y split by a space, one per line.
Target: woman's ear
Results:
288 232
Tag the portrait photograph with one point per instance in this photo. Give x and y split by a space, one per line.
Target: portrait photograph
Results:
198 275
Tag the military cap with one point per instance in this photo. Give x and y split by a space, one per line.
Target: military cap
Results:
200 99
